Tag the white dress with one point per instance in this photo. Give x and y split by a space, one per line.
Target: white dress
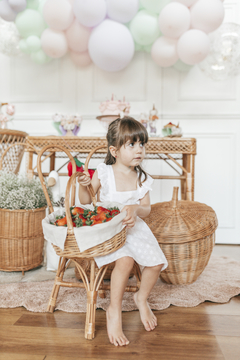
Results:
140 243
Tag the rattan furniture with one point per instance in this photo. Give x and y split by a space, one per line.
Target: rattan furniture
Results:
179 152
185 231
94 282
13 158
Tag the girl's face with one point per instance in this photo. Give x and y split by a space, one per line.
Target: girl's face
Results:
131 153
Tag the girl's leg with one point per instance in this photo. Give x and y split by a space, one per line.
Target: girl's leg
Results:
119 279
149 278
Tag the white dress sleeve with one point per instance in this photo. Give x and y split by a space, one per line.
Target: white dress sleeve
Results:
146 186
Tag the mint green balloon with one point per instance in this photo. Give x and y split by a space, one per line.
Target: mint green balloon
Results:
23 46
154 6
29 22
40 57
32 4
181 66
144 28
33 43
40 6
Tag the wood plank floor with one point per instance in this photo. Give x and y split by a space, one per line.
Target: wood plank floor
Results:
206 332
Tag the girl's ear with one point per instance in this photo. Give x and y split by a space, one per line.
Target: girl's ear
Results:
113 151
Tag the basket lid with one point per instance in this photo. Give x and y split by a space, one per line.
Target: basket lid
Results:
181 221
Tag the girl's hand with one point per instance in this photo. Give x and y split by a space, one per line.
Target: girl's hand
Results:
84 180
131 217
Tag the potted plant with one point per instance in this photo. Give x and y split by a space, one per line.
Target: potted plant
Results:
22 209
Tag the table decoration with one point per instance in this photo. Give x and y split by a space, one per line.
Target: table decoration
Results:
68 125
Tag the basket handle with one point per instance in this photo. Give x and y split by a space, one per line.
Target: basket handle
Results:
63 149
175 197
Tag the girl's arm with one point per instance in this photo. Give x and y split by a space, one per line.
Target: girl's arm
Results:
142 210
83 194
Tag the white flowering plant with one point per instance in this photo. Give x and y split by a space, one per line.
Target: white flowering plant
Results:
18 192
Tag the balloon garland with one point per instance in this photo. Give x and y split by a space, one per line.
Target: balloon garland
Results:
108 32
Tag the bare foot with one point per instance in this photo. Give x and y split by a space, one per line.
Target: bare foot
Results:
148 319
114 328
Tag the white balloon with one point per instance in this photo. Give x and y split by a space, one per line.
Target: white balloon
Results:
58 14
6 12
122 10
18 5
207 15
54 43
78 37
174 20
193 46
164 51
111 46
91 12
186 2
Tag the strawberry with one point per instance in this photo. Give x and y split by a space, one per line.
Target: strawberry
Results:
76 210
99 218
100 209
79 168
79 220
61 222
114 212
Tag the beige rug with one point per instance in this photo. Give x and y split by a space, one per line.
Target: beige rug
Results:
219 282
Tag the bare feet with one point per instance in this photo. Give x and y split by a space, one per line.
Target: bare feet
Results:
114 328
149 320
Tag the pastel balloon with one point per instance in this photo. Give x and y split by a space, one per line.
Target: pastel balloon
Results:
30 22
186 2
58 14
164 51
181 66
24 46
32 4
144 28
154 6
122 10
41 6
78 37
80 59
40 57
18 5
91 12
54 43
207 15
193 46
6 12
111 46
34 43
174 20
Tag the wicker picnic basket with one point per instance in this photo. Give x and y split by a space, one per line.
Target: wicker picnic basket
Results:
185 231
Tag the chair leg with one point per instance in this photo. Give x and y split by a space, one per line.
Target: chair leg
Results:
90 315
56 286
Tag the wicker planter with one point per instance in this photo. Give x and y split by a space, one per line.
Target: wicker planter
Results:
21 239
185 231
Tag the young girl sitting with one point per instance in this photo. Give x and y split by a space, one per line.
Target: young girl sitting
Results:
122 179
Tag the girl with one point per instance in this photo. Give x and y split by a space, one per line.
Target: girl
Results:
122 179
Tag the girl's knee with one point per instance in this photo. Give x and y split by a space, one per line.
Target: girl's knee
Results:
126 263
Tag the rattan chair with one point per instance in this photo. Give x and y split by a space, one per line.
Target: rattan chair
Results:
94 282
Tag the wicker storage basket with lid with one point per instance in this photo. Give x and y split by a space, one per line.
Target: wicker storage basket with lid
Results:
185 231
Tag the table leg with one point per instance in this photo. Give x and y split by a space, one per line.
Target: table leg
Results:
190 177
30 165
184 181
52 162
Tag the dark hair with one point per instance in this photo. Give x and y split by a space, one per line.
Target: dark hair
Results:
119 132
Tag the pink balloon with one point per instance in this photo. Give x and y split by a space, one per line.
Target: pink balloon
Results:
207 15
174 20
80 59
58 14
164 51
186 2
193 46
78 36
54 43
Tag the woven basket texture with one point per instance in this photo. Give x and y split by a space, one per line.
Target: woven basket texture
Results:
21 239
13 157
185 231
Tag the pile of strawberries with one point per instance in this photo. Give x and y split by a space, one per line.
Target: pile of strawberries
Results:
87 217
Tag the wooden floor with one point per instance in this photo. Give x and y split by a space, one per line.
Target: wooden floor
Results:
206 332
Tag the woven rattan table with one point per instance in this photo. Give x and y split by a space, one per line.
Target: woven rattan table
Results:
178 150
